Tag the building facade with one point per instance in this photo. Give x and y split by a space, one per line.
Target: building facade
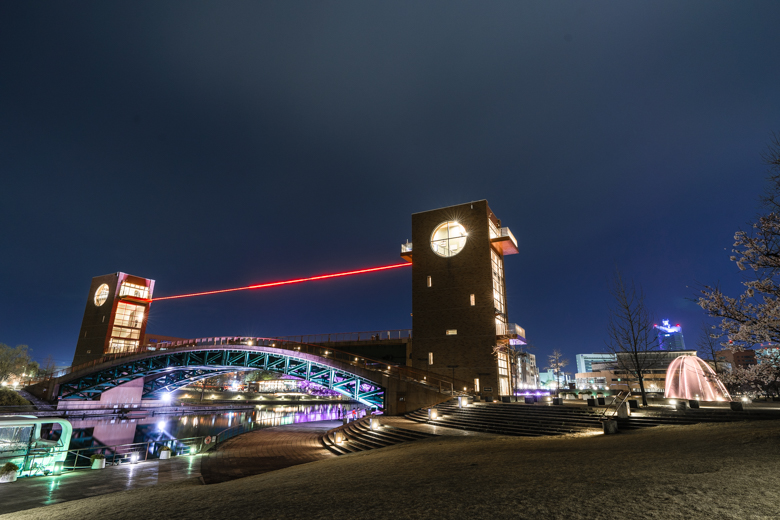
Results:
459 314
617 375
526 372
550 381
115 316
740 359
585 361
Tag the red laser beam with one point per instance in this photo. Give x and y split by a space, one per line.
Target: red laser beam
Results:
285 282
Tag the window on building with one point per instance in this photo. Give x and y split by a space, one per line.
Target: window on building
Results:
122 345
125 332
131 289
448 239
476 384
129 315
452 332
471 299
503 364
101 295
430 358
499 300
429 281
503 386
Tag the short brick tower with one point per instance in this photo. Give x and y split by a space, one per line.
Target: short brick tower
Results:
115 316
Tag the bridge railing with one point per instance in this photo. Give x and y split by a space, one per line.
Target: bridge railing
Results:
442 383
371 335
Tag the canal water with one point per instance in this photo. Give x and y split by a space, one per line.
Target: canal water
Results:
112 431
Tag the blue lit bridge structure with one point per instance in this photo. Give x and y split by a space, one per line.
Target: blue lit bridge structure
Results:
165 367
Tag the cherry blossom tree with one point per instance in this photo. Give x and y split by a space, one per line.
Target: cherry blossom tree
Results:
753 317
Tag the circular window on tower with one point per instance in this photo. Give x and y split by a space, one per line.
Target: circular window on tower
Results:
101 295
448 238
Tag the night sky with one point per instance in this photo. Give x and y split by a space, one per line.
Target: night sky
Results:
217 144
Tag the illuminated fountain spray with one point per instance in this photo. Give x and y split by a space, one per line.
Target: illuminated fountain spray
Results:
690 377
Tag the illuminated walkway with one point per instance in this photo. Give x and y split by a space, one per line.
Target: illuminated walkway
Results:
29 493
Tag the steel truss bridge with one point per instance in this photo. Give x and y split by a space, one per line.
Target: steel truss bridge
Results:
165 367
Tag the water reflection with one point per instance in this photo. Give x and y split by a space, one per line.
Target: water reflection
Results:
113 431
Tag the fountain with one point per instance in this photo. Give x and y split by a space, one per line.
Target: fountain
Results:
689 377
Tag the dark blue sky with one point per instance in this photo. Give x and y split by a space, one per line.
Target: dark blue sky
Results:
216 144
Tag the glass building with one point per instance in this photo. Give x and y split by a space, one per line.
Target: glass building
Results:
585 361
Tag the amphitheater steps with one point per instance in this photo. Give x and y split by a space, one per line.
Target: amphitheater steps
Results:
539 419
358 436
512 419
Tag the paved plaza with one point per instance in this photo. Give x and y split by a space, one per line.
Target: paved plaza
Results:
32 492
265 450
703 471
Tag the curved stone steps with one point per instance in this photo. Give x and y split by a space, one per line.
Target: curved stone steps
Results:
358 436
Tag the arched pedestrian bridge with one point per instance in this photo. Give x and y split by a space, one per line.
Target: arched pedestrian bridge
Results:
161 368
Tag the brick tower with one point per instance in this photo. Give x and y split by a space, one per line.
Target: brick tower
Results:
459 310
115 316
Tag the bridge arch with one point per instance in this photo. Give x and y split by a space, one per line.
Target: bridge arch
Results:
166 370
169 365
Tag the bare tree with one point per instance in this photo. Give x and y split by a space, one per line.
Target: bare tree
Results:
709 344
631 335
556 363
48 367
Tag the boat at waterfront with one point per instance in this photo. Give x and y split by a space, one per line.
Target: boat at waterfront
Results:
36 445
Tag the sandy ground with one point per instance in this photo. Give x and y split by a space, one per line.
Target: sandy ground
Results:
713 471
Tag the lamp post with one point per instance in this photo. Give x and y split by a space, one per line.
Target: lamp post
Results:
453 367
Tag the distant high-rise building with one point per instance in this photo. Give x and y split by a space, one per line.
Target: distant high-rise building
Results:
585 361
670 337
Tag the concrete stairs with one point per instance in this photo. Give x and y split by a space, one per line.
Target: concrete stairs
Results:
512 419
542 419
358 436
655 417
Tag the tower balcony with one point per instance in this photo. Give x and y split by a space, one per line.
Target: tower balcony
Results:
406 251
511 331
504 241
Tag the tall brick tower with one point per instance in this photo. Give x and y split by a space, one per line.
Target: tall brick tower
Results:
115 316
459 310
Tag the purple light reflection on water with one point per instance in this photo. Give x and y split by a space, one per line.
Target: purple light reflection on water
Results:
110 432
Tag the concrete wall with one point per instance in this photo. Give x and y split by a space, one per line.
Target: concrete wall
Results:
127 395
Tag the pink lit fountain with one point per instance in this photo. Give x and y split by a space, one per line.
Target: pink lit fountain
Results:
689 377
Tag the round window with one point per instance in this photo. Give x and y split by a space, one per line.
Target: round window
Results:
448 238
101 295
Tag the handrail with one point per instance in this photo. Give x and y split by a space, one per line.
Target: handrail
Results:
338 337
617 398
